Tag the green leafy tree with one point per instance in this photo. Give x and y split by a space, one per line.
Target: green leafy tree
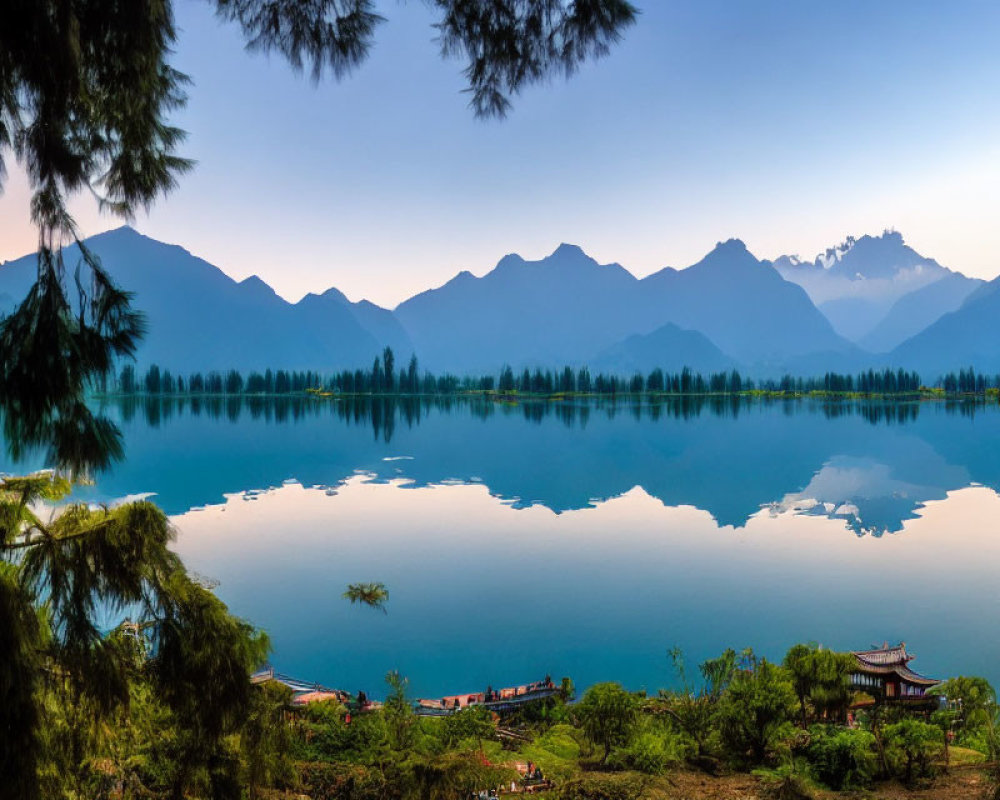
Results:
972 702
944 719
398 713
911 745
265 739
821 679
756 712
608 715
842 758
473 722
719 672
695 712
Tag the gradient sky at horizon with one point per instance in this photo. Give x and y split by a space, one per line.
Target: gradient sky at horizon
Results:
789 125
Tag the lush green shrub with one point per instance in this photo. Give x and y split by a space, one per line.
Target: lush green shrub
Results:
325 735
822 680
972 705
910 746
557 751
789 787
562 741
608 715
652 749
842 758
646 752
756 712
473 723
450 775
694 718
320 781
602 786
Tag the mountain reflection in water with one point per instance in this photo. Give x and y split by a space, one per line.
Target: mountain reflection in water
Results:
869 463
578 538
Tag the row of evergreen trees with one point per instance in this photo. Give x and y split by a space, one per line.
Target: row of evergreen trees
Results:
384 378
968 381
157 381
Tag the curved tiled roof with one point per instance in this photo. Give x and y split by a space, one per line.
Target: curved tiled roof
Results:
887 660
884 655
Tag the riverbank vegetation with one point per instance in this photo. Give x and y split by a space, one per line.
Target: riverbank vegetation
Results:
384 379
123 677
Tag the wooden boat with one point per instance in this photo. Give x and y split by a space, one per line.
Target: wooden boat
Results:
494 699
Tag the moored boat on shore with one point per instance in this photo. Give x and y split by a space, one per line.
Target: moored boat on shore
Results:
493 699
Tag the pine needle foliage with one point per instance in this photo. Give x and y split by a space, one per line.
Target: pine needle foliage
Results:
65 571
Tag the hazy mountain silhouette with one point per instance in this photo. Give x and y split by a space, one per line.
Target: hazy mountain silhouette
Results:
567 308
917 310
562 309
200 318
323 313
856 284
743 306
964 337
669 348
837 459
728 310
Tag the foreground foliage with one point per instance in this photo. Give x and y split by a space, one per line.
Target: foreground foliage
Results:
123 677
156 695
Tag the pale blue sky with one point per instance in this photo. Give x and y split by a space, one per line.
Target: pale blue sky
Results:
790 125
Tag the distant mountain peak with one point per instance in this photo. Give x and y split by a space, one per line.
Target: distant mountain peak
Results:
565 250
732 253
509 261
258 288
564 256
889 245
857 282
122 230
121 233
333 293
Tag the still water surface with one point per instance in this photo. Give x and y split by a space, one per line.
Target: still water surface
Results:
580 539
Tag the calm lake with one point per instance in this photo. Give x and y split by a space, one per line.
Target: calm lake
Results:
581 539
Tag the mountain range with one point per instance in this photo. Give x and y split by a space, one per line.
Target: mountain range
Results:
858 283
199 318
869 302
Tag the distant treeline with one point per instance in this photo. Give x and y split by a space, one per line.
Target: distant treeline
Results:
383 378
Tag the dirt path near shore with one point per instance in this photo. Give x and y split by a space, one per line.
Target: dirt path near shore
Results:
963 784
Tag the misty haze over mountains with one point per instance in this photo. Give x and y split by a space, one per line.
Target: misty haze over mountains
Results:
869 302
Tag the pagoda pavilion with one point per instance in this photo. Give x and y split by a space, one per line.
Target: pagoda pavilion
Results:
884 673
